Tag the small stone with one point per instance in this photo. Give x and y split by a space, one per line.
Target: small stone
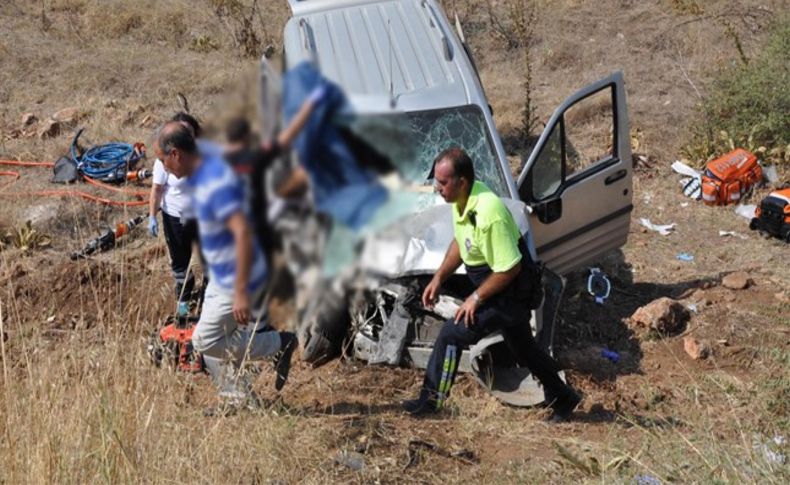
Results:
696 349
781 296
737 281
665 315
351 459
28 119
700 297
51 128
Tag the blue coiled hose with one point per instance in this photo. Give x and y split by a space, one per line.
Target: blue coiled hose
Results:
108 162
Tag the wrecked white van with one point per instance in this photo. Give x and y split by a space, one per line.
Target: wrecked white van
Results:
403 60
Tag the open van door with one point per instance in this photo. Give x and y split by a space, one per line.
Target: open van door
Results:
578 179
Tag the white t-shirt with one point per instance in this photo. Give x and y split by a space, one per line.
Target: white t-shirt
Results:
176 200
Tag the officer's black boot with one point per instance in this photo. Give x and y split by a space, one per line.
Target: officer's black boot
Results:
563 405
424 404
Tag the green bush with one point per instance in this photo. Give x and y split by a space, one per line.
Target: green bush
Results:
748 106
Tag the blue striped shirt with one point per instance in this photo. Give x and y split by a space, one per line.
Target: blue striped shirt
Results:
218 194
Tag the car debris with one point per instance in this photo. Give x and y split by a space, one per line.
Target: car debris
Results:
663 229
610 355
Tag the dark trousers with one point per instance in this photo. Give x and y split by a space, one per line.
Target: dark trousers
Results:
501 312
180 238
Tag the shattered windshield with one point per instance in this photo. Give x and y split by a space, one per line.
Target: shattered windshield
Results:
412 140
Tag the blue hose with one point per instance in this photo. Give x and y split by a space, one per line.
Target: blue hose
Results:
108 162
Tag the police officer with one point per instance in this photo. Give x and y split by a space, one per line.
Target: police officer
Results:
487 241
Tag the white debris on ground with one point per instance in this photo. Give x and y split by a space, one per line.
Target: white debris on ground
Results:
663 229
745 210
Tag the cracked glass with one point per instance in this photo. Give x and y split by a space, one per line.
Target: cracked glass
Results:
412 140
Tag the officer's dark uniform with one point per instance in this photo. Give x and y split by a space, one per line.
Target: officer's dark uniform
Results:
489 241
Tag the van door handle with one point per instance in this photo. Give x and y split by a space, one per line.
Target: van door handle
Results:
615 176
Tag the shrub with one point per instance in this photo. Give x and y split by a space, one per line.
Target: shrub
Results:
748 105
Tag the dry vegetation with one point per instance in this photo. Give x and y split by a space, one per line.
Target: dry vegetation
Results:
80 403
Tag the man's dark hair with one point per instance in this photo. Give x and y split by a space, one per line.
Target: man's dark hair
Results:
238 131
174 135
459 159
193 122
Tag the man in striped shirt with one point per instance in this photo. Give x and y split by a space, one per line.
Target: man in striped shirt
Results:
233 324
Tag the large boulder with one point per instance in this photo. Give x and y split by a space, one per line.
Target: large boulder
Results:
665 316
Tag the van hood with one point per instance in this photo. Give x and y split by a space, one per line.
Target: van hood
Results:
416 243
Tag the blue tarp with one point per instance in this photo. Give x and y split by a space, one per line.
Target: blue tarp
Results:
341 187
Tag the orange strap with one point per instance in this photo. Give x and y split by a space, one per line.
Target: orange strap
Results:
138 194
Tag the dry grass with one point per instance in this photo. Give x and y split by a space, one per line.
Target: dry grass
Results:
80 403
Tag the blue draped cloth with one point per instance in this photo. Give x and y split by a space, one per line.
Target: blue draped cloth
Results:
341 187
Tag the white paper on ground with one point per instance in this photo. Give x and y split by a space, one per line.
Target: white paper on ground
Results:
732 233
746 210
684 169
663 229
770 174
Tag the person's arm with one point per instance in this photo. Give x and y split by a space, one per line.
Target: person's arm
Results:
155 200
295 185
242 237
287 136
495 283
501 253
452 260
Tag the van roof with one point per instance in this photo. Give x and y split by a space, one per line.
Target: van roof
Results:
375 48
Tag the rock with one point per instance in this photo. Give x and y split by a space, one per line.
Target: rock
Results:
351 459
696 349
28 119
737 281
665 315
700 297
781 296
51 128
67 115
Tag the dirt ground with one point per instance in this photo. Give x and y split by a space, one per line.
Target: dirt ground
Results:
81 402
